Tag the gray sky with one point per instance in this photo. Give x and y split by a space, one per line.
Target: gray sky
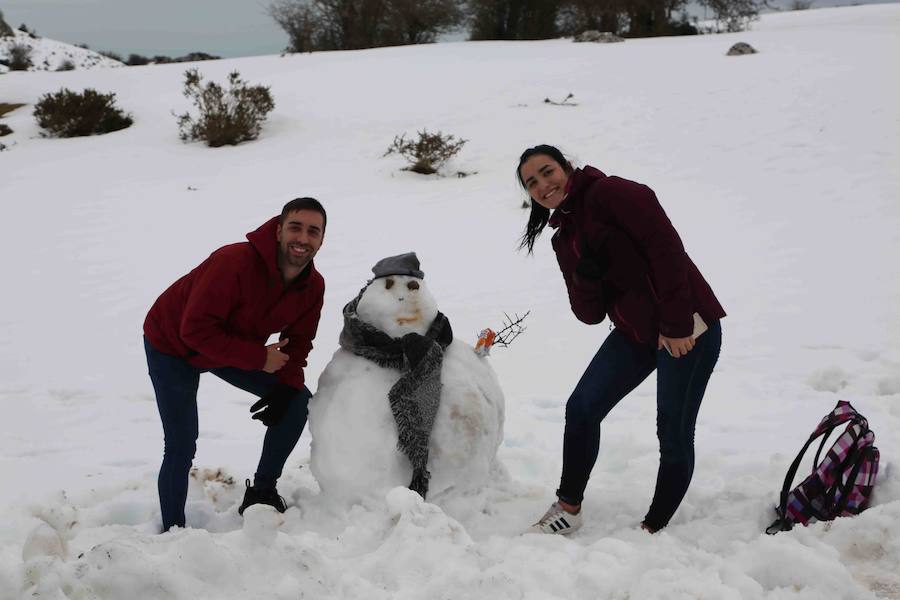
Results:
149 27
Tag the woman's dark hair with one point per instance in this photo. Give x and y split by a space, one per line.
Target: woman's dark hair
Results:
304 204
539 215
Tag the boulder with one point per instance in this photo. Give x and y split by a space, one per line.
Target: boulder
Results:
599 37
741 48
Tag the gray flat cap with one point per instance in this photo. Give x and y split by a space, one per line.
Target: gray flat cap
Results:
402 264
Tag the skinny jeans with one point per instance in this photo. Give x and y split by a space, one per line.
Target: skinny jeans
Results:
619 366
175 382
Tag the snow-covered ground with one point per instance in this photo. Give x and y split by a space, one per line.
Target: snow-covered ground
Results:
51 55
779 169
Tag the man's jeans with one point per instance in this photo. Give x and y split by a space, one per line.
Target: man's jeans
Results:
175 382
617 368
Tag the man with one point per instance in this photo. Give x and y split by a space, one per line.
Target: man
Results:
217 318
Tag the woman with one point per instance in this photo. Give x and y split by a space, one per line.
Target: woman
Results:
620 256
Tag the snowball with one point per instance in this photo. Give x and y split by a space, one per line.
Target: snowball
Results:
400 500
43 541
261 523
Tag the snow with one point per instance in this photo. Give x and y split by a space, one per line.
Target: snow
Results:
50 55
779 169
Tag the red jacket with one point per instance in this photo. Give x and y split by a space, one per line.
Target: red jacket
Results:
223 312
633 264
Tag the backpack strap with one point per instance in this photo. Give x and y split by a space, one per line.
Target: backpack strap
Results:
842 413
846 487
855 456
867 455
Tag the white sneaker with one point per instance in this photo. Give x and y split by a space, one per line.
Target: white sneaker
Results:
557 520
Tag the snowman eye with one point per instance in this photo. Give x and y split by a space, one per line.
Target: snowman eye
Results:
388 283
412 285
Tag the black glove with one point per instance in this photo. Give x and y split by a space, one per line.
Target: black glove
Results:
274 405
415 347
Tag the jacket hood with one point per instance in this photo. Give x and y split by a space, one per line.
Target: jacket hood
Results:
580 180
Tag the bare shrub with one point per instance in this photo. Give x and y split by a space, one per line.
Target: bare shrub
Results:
354 24
111 54
428 153
66 65
5 129
224 117
70 114
19 57
32 33
734 15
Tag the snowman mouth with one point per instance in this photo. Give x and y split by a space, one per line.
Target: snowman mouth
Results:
415 317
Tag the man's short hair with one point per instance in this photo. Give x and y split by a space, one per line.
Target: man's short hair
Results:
304 204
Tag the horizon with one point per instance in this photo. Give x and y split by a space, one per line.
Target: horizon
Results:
226 28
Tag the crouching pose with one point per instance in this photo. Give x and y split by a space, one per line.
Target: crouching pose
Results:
217 318
619 255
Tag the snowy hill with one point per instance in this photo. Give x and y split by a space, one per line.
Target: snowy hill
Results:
779 170
50 55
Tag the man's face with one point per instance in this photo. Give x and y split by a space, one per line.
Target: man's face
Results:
300 237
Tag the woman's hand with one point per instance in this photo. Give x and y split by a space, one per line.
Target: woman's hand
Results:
677 347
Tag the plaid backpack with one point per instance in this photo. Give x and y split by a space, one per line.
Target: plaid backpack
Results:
838 486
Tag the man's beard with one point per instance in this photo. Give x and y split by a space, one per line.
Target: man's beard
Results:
295 261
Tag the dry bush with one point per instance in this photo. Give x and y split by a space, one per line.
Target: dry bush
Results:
224 117
19 57
70 114
428 153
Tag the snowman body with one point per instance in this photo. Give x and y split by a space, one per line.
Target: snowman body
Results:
354 451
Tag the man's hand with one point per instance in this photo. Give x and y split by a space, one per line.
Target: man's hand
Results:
275 358
677 347
274 404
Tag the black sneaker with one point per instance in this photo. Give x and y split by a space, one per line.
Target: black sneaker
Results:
255 495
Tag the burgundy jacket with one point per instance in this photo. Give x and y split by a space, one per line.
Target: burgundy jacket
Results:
620 255
223 312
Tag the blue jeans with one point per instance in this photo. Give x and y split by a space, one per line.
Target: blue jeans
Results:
175 382
617 368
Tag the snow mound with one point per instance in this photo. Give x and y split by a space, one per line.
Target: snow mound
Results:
50 55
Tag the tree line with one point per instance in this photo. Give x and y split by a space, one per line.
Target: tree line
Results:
356 24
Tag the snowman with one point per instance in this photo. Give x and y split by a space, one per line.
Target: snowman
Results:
401 403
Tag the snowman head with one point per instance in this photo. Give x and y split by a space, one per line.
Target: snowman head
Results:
397 301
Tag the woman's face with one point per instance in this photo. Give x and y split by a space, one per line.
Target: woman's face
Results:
545 180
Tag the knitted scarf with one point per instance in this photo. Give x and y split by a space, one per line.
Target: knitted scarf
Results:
414 399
